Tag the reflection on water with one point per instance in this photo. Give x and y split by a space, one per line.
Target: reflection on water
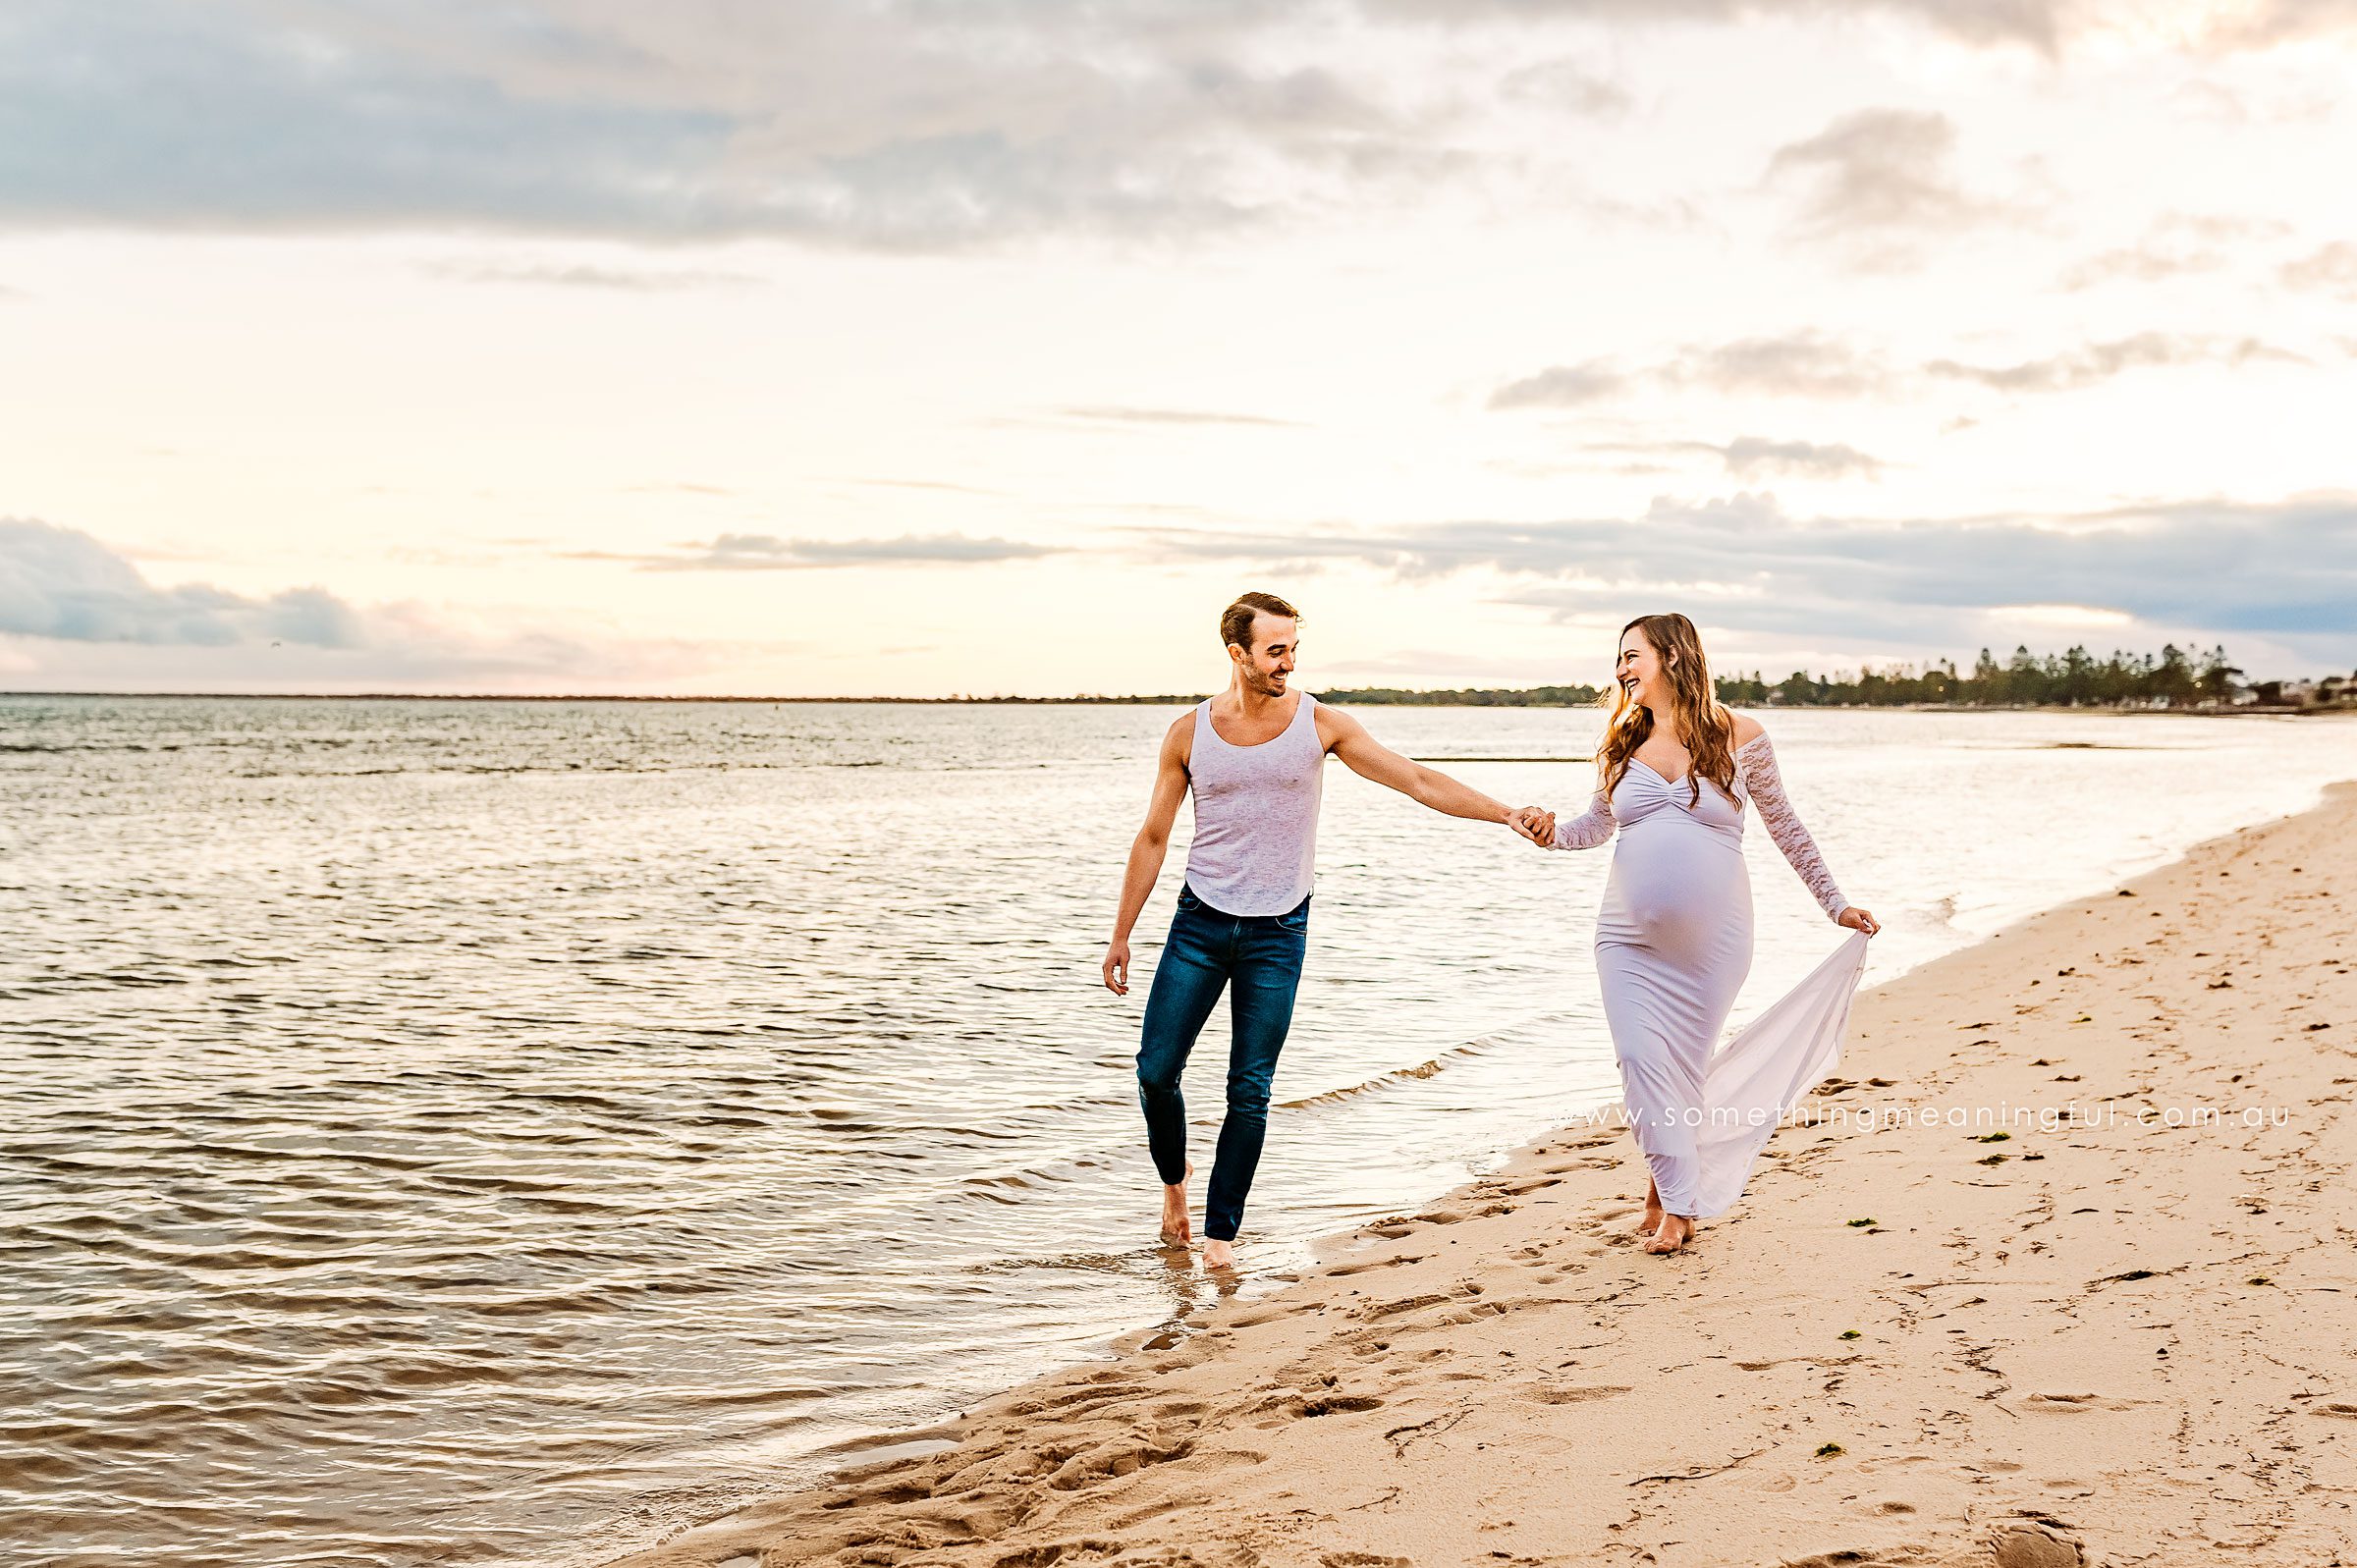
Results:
463 1132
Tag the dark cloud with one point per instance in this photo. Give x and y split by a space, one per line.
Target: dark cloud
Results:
98 625
891 126
2094 363
760 551
59 582
900 124
2332 270
2285 569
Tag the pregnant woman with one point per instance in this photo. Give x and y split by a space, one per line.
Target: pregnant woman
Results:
1674 937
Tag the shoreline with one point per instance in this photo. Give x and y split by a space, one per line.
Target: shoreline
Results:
1343 1417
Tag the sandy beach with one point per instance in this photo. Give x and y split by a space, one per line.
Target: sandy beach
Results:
2118 1333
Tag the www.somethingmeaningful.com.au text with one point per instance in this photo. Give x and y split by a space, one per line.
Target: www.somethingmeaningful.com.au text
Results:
1977 1118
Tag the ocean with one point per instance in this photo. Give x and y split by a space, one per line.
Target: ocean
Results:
504 1132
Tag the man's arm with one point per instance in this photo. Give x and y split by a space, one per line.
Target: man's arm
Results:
1145 856
1370 758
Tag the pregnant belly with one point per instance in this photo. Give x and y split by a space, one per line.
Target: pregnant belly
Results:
1679 888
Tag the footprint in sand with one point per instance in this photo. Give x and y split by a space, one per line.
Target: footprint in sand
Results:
2034 1544
1565 1394
2073 1404
1343 1270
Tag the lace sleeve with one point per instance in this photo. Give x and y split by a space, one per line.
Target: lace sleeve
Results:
1589 830
1756 762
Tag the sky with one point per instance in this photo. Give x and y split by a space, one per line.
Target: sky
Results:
991 346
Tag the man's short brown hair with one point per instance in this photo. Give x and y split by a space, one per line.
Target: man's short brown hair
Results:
1236 621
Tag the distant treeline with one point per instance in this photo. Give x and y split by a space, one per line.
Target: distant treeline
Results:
1471 697
2174 678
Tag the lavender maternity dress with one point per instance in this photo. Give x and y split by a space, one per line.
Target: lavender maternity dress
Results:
1673 945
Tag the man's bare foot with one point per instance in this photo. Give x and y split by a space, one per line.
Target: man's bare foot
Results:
1218 1253
1176 1230
1676 1231
1651 1219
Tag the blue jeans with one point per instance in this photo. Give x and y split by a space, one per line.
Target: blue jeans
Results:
1258 959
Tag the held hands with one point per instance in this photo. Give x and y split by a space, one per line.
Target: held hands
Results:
1535 823
1117 966
1857 919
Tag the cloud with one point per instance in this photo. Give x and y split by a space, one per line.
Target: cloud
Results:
1876 181
1561 387
1806 365
85 618
1812 365
2268 22
2285 569
2094 363
1877 169
2173 245
59 582
1803 364
1567 84
2332 270
760 551
1748 455
2038 23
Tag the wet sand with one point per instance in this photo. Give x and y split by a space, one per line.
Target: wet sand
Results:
2104 1339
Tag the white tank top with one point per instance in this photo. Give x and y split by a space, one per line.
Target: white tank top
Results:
1256 815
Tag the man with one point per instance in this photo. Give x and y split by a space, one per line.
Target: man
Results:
1253 757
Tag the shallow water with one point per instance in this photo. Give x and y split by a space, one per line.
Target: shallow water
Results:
467 1131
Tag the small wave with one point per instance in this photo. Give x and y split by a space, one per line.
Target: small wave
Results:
1390 1080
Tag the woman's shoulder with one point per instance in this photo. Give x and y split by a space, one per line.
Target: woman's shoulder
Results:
1747 728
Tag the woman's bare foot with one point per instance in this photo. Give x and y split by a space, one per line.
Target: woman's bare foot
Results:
1676 1231
1651 1219
1176 1230
1218 1253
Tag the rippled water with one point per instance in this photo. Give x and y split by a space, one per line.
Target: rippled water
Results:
460 1131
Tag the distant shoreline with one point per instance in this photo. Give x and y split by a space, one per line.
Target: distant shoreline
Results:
1391 699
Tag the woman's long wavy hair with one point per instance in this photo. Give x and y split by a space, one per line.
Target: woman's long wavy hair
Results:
1698 717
